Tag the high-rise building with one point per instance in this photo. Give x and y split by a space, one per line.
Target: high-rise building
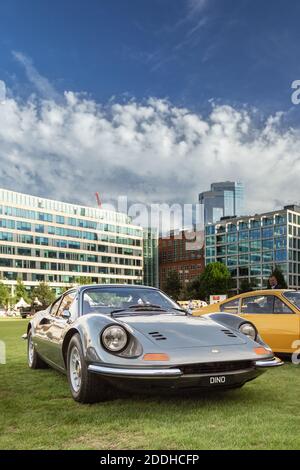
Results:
251 247
224 199
181 252
151 272
56 242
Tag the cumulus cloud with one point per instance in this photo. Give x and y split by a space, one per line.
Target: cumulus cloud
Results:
152 151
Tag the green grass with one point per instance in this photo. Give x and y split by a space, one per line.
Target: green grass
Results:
37 412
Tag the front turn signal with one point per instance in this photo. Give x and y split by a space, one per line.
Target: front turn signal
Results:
261 351
156 357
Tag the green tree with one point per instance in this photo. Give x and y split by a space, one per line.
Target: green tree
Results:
21 291
216 279
246 286
5 297
280 278
44 293
82 280
172 285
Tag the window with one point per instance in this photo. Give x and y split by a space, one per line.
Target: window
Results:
230 307
260 304
55 306
66 303
281 307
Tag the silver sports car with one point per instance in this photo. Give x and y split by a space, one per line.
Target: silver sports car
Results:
131 337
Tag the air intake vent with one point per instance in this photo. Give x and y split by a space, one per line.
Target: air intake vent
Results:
229 333
158 336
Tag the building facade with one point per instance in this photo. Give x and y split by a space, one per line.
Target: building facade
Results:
224 199
181 252
251 247
57 242
151 271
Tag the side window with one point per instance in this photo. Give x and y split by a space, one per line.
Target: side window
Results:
66 303
281 307
54 308
260 304
230 307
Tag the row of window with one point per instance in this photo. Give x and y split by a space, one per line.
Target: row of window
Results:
78 268
59 219
265 257
246 247
67 279
246 225
265 233
30 239
60 231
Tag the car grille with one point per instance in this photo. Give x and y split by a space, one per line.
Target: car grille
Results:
216 367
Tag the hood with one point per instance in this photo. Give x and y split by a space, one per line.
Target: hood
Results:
171 331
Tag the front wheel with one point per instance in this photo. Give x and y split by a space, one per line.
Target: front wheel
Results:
85 387
33 359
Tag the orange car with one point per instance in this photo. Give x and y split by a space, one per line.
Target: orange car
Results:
275 313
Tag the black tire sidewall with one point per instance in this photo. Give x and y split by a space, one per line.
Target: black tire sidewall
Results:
77 395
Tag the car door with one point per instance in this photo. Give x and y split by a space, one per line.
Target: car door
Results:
41 339
276 323
56 330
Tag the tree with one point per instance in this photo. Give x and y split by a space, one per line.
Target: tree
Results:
280 278
246 286
5 296
44 293
172 285
216 279
82 280
21 291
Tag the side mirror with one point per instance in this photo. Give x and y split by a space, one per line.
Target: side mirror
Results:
66 314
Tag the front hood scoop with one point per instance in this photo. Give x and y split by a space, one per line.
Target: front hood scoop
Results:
170 331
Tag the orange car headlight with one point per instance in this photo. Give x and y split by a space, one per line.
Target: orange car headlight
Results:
156 357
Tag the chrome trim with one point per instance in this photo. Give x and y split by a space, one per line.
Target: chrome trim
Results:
275 362
119 372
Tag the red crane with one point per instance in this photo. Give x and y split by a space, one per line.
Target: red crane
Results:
98 200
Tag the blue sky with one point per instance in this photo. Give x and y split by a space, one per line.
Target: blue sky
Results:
235 51
153 99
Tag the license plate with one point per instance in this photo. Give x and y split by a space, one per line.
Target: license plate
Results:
217 380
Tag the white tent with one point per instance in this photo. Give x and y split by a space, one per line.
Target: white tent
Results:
22 304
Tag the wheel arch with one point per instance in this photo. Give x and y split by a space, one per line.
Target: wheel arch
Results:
69 335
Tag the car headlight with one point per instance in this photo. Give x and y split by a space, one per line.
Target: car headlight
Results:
114 338
248 330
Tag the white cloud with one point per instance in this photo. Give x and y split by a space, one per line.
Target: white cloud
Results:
151 151
42 84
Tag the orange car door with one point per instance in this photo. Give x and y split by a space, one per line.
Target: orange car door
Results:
277 324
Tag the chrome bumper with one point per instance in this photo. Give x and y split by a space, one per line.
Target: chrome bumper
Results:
146 373
275 362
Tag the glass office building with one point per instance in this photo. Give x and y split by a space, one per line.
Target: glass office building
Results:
224 199
57 242
151 257
251 247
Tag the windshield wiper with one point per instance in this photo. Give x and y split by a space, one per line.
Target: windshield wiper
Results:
139 308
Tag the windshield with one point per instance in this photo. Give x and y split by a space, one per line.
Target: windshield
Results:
293 297
110 299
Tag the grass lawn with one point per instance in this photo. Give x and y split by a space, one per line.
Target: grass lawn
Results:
37 412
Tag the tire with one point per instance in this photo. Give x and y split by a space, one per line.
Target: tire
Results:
33 359
84 386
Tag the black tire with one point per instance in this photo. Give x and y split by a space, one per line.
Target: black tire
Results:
33 359
89 388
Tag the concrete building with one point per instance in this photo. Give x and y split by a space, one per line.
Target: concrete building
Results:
182 252
251 247
151 271
224 199
56 242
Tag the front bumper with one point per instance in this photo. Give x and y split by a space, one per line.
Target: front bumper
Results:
168 378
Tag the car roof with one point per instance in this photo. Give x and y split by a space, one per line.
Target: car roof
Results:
259 292
136 286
